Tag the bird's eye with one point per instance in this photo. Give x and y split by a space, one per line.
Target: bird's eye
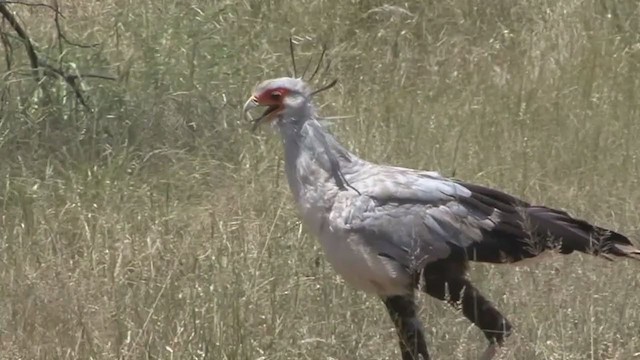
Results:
276 95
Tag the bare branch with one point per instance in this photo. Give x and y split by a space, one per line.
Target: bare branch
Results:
8 53
8 49
61 34
33 58
73 80
32 4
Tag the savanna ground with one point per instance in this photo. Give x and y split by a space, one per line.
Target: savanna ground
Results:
157 226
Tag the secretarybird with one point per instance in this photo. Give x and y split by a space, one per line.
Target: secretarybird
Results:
391 230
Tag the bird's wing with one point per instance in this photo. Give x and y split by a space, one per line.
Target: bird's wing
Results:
418 217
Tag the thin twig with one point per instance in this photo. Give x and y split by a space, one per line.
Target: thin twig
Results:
73 80
45 64
8 49
61 34
33 5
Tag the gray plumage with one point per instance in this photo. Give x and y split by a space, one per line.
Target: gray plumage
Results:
382 225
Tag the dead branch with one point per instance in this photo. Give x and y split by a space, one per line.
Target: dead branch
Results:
33 58
30 4
8 56
61 34
73 80
8 49
38 64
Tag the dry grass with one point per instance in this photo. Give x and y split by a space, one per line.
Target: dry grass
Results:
159 227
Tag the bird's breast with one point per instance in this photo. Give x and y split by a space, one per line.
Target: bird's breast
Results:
349 254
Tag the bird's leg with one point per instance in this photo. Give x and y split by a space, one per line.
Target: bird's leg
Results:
402 310
459 292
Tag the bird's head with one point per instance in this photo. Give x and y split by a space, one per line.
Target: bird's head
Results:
285 99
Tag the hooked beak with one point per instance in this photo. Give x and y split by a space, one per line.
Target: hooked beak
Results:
250 105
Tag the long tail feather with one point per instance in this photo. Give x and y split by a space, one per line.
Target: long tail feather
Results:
525 231
578 235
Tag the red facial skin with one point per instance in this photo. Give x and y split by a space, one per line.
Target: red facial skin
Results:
273 99
272 96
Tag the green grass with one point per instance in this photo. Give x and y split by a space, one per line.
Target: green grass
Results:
159 227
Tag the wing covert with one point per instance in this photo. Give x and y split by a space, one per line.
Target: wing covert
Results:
411 233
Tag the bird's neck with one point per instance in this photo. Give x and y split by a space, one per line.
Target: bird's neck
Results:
315 161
